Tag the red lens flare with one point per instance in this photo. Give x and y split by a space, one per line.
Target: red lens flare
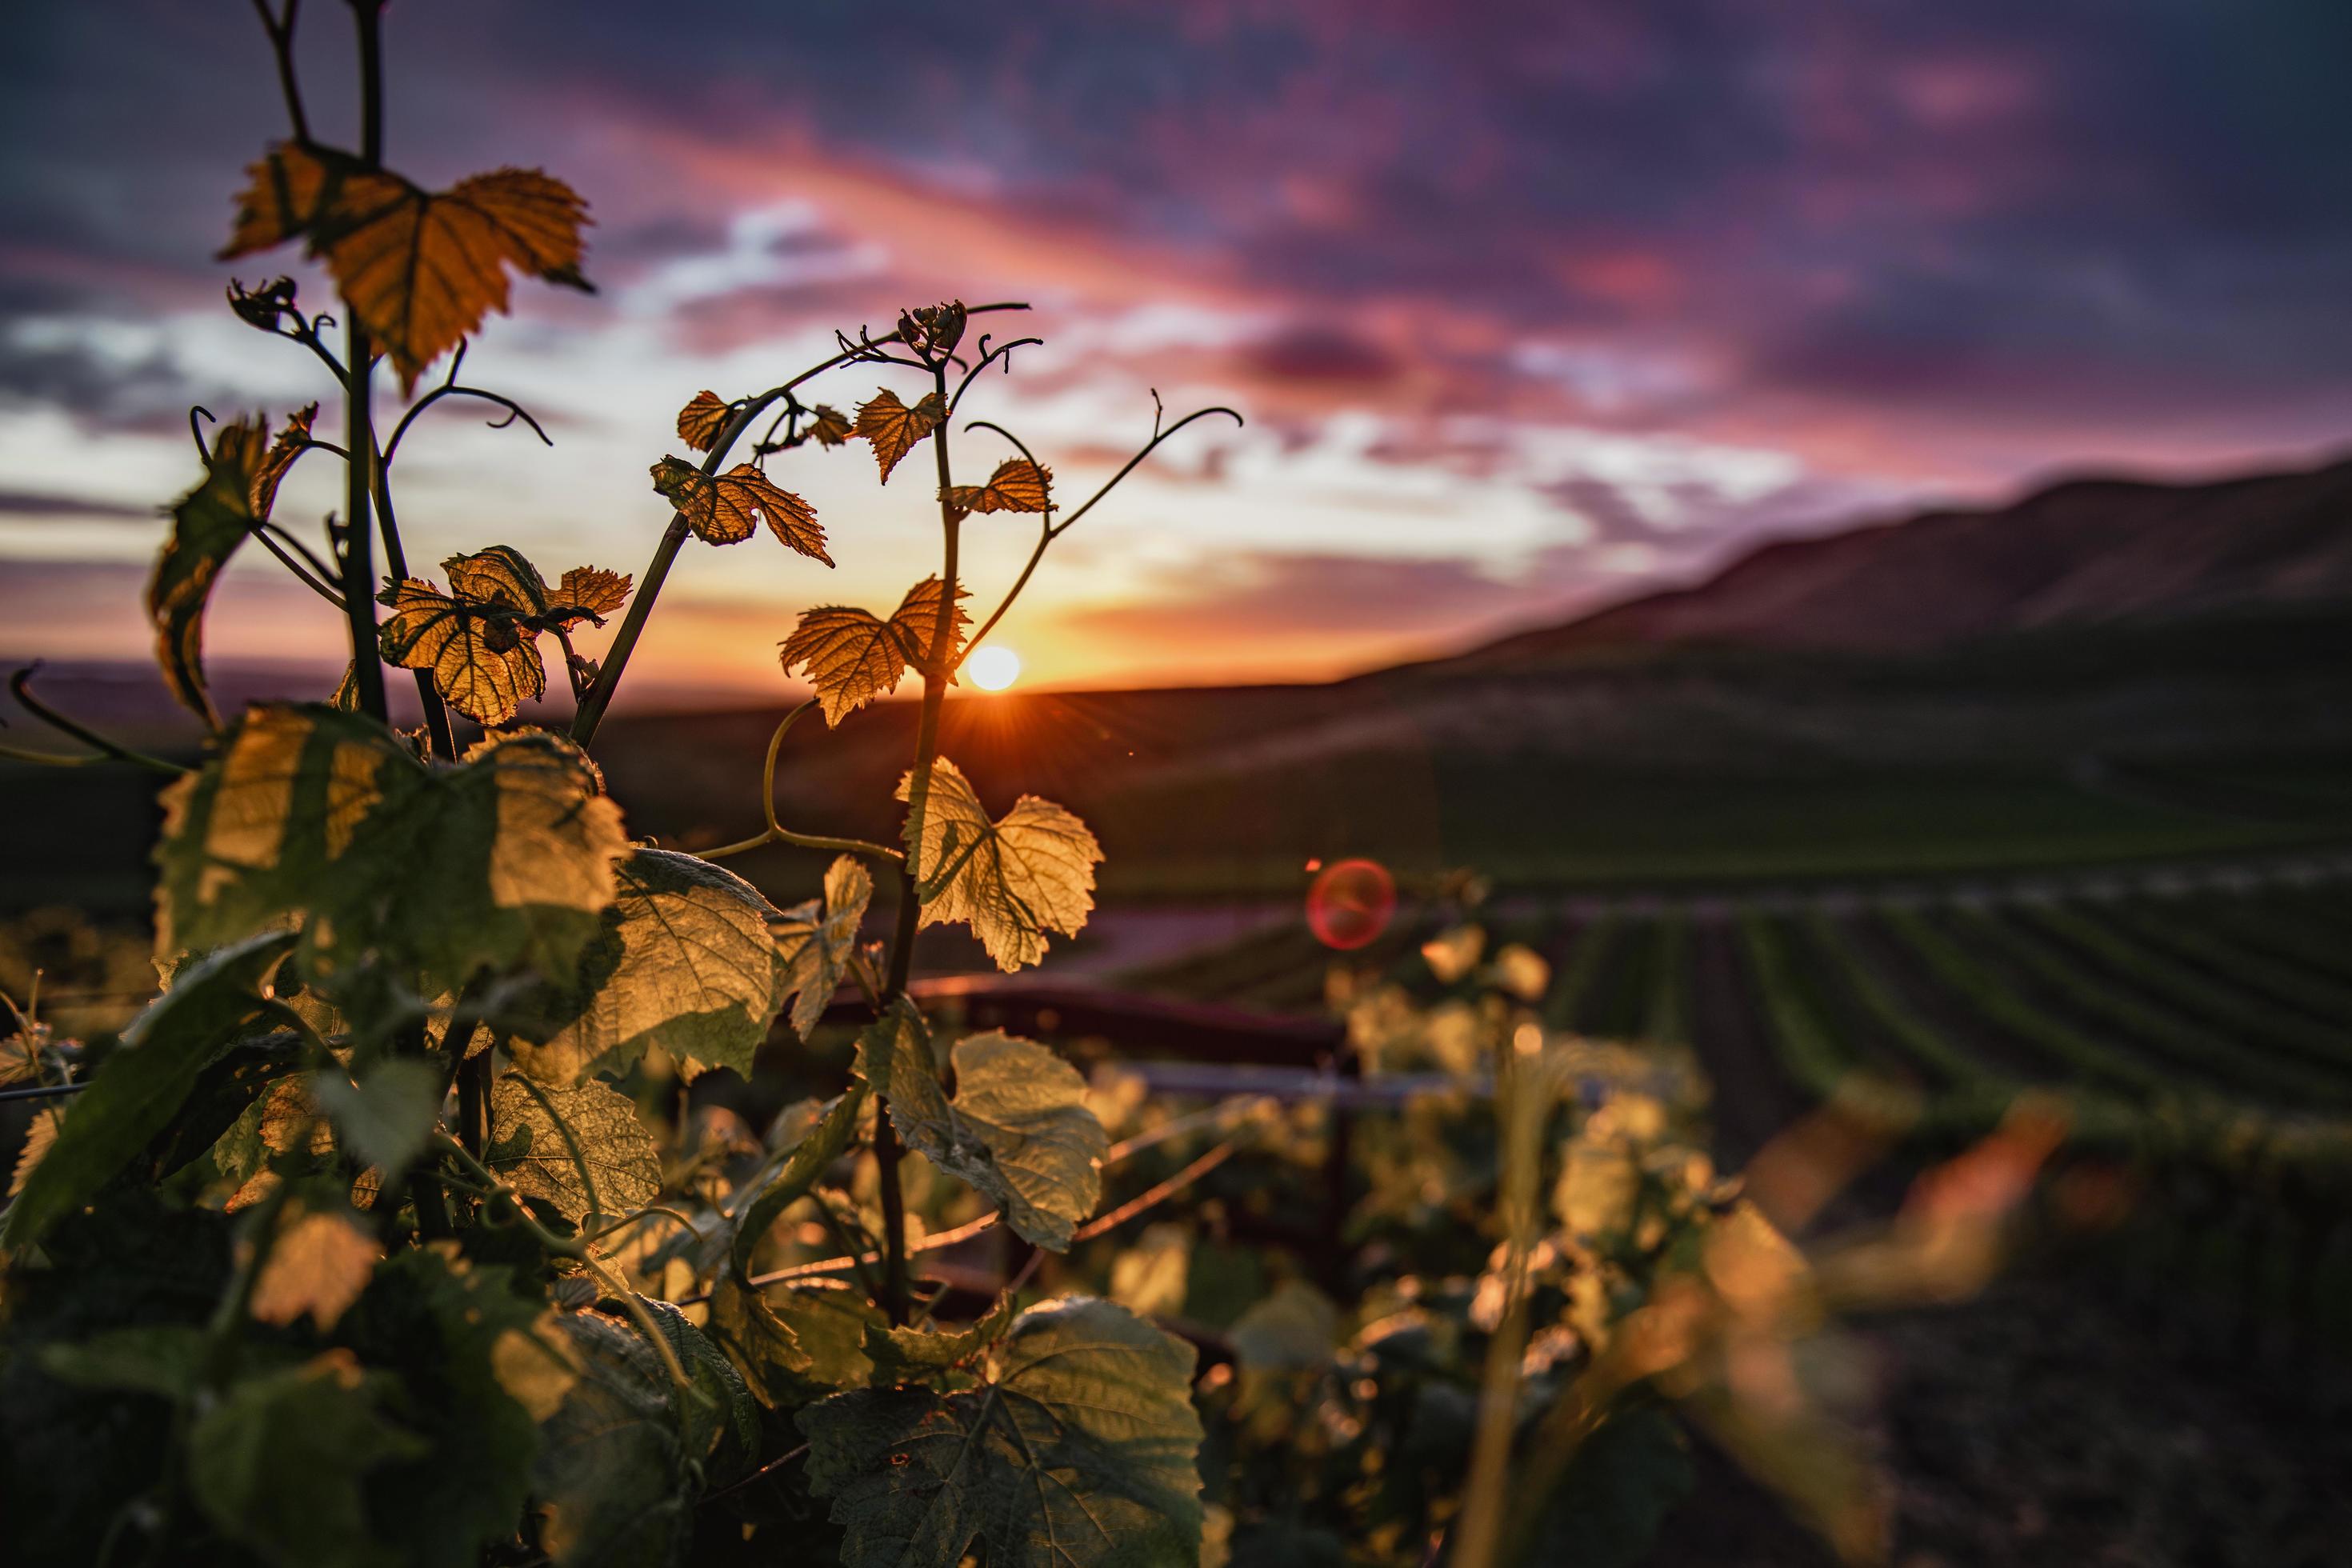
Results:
1350 904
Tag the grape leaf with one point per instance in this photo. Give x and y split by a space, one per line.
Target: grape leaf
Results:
827 427
851 656
587 592
279 1464
701 420
934 329
207 525
1078 1450
815 943
143 1082
1018 1128
1018 485
419 270
917 622
1013 879
484 657
39 1137
685 962
807 1160
386 1116
930 1355
724 509
721 1429
581 1151
504 860
796 1343
613 1476
893 429
316 1268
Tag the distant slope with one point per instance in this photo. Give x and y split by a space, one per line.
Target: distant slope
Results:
2082 553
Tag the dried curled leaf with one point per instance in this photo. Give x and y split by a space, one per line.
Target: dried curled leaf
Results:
419 269
701 420
894 428
827 427
1078 1449
815 942
587 592
933 330
851 657
1029 872
240 484
1018 485
685 962
1018 1128
581 1151
723 508
505 860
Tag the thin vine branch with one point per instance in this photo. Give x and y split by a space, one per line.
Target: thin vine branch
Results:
450 388
20 683
775 832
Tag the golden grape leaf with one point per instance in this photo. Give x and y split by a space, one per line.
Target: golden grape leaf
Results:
851 657
816 939
828 426
499 575
39 1139
583 1152
484 657
316 1268
700 421
917 622
723 508
894 428
1018 485
587 592
207 525
1013 879
418 269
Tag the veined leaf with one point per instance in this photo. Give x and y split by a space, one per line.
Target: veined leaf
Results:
720 1430
506 860
934 1356
819 1148
207 525
917 623
685 962
587 592
614 1475
794 1343
582 1150
140 1087
419 269
279 1464
1018 485
815 942
701 420
1076 1451
828 426
316 1265
484 657
851 656
1018 1128
723 508
893 429
1029 872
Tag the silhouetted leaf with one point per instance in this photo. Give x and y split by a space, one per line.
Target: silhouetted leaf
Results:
828 426
701 420
1078 1450
893 429
581 1151
419 269
142 1084
1018 485
1029 872
685 962
815 940
724 509
1018 1128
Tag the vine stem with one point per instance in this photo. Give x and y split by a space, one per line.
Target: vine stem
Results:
359 435
775 832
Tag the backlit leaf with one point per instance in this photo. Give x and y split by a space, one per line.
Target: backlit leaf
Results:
893 429
917 622
851 657
589 593
1018 1128
701 420
828 426
1029 872
207 525
483 657
820 1147
815 940
419 269
1018 485
685 961
316 1268
902 1355
724 509
141 1086
1078 1450
505 860
581 1151
279 1464
38 1138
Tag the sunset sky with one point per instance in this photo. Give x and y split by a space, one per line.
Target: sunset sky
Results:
1529 305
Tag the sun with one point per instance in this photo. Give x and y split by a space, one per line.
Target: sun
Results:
992 668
